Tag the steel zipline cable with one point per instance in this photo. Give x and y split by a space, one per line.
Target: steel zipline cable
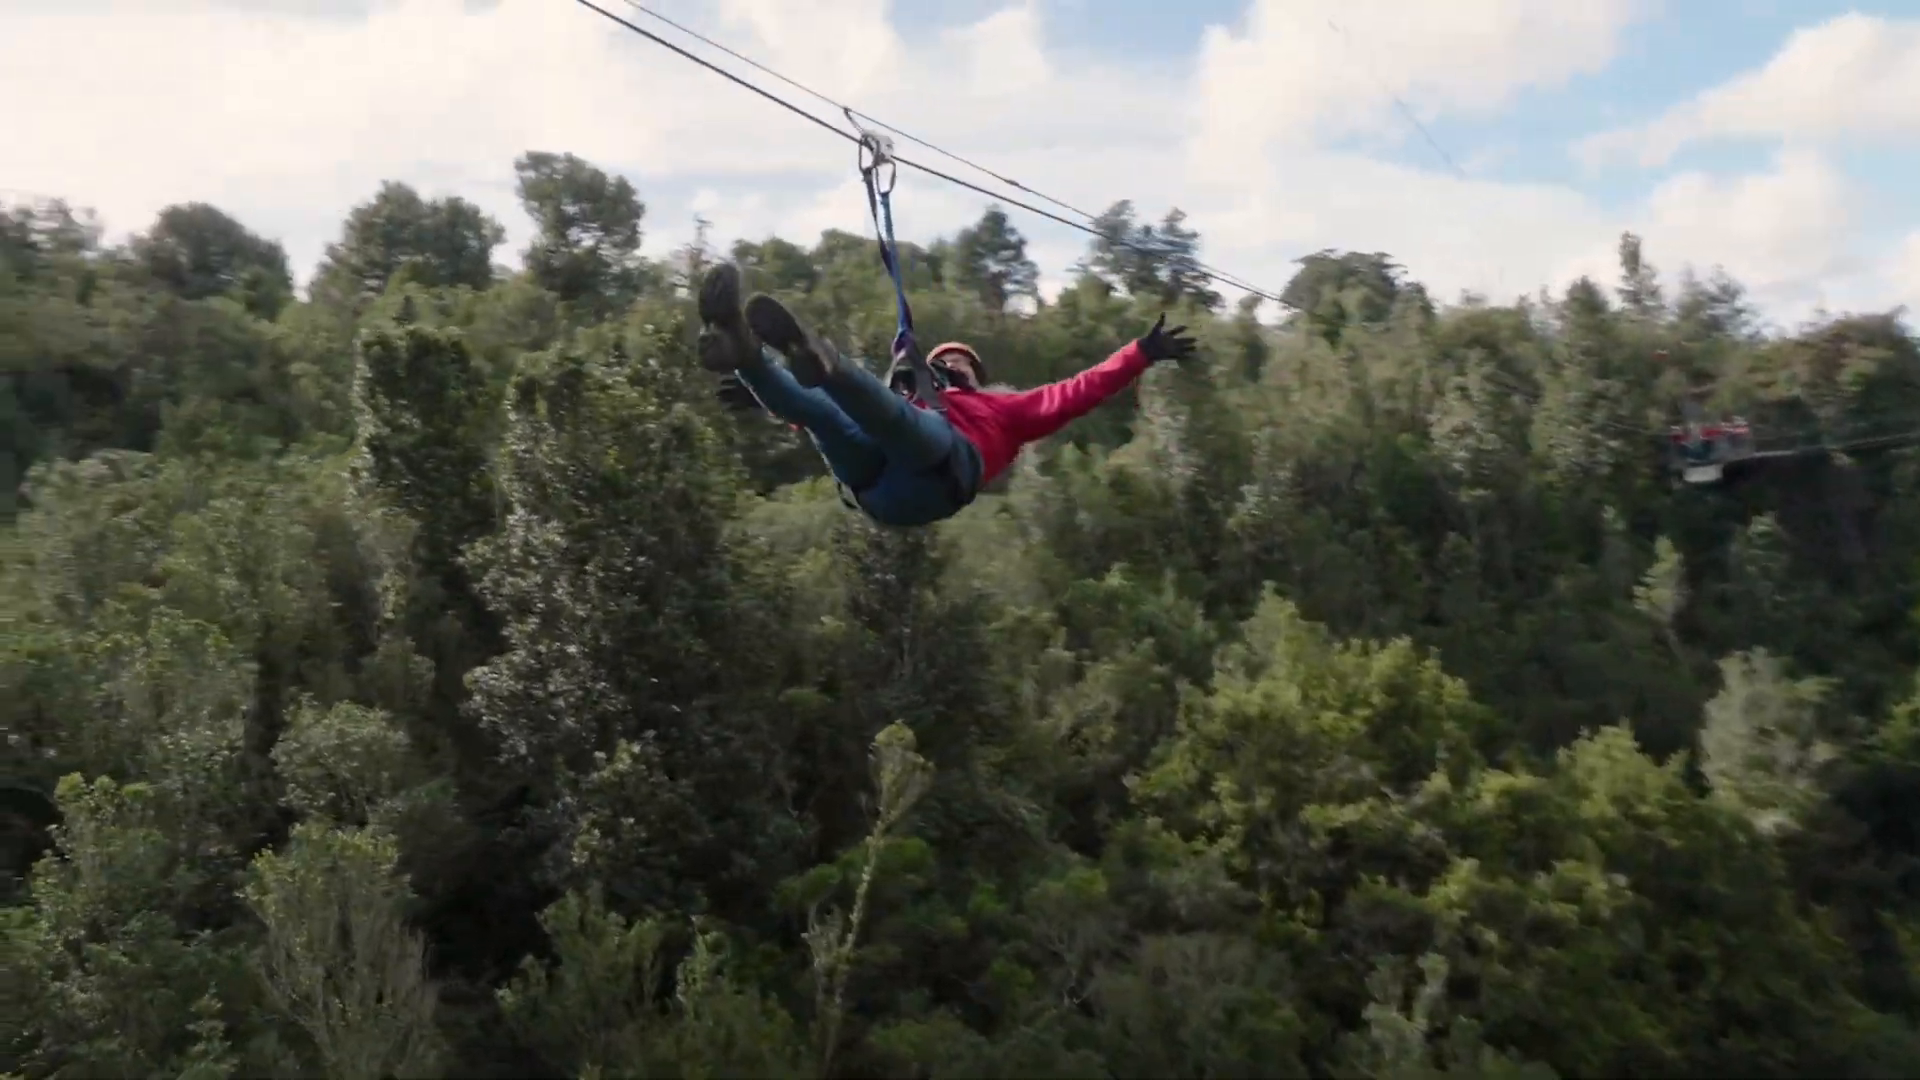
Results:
1200 269
856 113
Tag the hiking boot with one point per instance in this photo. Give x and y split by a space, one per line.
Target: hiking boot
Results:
811 359
725 344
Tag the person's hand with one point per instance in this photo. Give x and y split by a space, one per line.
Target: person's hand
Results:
738 397
735 394
1161 343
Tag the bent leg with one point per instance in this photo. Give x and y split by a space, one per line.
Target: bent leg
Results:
855 459
909 436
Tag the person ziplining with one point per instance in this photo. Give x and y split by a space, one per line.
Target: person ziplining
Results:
903 457
918 448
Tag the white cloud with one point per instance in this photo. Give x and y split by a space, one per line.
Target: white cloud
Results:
1305 68
1903 275
1854 76
1768 228
1787 234
846 49
292 120
301 117
1235 148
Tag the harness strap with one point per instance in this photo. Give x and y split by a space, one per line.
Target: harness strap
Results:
876 151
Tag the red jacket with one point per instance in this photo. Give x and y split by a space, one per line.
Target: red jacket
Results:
999 424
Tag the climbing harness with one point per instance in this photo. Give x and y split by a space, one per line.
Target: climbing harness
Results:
875 154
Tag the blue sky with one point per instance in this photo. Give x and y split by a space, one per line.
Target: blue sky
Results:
1277 133
1684 49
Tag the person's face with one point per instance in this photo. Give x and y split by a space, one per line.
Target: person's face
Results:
961 365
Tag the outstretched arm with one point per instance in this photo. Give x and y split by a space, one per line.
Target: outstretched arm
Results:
1035 414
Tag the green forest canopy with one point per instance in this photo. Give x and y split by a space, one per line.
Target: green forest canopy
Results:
427 677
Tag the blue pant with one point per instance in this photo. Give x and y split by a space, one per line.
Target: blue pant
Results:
898 460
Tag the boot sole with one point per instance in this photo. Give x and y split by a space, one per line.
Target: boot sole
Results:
719 306
772 323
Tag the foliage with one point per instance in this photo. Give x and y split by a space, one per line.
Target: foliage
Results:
425 676
337 956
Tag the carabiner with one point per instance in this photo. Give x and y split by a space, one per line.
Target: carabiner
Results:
875 150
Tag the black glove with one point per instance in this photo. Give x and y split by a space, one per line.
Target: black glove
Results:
1161 343
735 395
